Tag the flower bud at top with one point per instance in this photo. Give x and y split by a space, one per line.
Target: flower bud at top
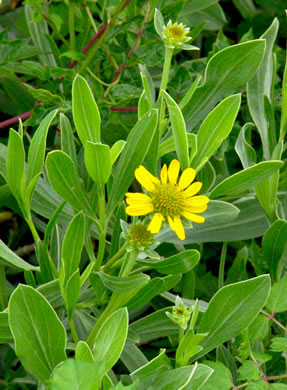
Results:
175 35
180 313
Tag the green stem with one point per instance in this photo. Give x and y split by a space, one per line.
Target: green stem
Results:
166 67
34 232
3 289
102 233
271 317
72 26
119 254
108 310
98 43
180 334
129 262
221 266
73 330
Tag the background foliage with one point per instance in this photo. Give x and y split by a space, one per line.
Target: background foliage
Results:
77 309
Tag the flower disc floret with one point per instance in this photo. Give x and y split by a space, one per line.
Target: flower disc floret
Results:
167 198
175 35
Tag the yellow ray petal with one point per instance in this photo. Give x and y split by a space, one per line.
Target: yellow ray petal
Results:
173 171
198 200
178 227
137 198
135 210
163 174
186 178
196 209
193 217
171 223
155 224
146 179
193 189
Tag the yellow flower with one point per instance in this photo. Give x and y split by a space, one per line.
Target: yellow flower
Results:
175 35
167 198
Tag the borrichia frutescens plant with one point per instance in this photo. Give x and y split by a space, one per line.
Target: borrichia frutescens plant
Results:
101 254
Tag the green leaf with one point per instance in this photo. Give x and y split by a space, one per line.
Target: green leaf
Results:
226 73
176 264
158 22
73 244
138 143
221 377
249 371
15 171
275 303
219 218
144 105
85 111
244 180
72 292
6 336
244 150
178 130
37 148
154 325
98 161
169 146
178 379
229 312
111 338
279 344
10 258
67 139
77 375
117 149
44 262
122 285
83 352
64 180
188 347
273 245
40 337
146 294
38 32
215 128
261 85
44 96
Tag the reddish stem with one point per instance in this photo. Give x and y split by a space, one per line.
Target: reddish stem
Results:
123 108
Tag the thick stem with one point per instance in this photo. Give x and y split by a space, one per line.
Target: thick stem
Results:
166 67
73 330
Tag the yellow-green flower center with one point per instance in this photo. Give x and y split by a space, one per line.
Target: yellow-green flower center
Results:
168 200
140 235
175 31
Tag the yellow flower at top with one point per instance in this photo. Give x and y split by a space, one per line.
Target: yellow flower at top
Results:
175 35
168 198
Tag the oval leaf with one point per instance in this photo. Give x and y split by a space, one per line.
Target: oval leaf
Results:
177 264
98 162
111 338
230 312
245 179
40 337
85 111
